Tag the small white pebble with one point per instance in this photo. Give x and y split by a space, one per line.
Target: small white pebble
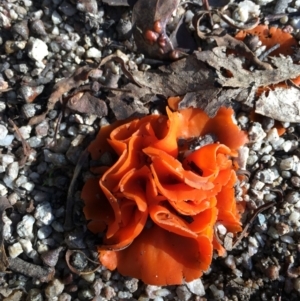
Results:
230 262
25 227
94 53
56 18
3 131
15 250
37 49
294 217
221 229
26 245
196 287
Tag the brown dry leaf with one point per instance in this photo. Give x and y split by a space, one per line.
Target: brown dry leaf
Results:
124 105
4 204
181 77
186 75
280 104
224 39
242 78
84 102
61 87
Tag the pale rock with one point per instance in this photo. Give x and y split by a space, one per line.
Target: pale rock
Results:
7 159
256 132
13 170
7 140
21 180
3 190
43 213
44 232
263 2
26 245
3 131
24 131
246 10
6 227
54 289
288 163
37 49
15 250
196 287
93 53
56 18
294 217
28 186
25 227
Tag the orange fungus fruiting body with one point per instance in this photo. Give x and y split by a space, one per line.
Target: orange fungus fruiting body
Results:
157 205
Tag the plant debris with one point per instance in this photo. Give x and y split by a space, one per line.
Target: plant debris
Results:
68 255
4 204
149 19
280 104
63 86
43 274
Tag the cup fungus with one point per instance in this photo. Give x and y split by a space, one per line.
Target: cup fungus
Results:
158 204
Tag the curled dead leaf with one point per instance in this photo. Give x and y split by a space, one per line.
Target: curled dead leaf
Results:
68 255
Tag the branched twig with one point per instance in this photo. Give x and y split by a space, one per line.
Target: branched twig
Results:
70 198
251 220
267 52
26 147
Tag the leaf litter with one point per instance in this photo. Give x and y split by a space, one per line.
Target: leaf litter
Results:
199 78
205 79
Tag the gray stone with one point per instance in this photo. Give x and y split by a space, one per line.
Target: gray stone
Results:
56 18
6 141
35 142
56 159
13 170
25 227
43 213
256 132
42 128
54 289
44 232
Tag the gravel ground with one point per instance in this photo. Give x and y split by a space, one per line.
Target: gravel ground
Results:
46 40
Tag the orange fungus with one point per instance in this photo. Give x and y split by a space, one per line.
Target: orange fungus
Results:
158 204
